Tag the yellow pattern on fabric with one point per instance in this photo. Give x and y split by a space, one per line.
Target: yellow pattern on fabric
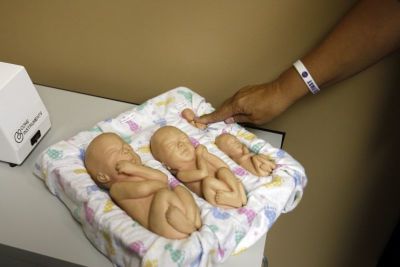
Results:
108 206
151 263
240 251
246 135
80 171
168 101
144 149
110 249
276 181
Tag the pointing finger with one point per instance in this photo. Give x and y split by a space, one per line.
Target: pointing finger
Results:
223 112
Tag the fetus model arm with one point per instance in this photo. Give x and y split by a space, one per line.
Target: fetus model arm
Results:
128 168
200 172
189 116
131 190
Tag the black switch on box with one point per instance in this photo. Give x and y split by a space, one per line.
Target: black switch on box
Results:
35 138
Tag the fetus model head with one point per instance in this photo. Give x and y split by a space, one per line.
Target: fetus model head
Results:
231 145
172 147
102 156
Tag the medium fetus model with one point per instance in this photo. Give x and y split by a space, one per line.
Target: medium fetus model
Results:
257 164
202 172
142 192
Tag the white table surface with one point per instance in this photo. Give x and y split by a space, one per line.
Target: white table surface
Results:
31 218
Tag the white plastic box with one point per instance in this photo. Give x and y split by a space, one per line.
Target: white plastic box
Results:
24 119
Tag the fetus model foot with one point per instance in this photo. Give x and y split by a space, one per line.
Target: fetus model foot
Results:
230 199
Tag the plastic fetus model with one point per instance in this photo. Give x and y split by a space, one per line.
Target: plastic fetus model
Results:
202 172
142 192
257 164
189 115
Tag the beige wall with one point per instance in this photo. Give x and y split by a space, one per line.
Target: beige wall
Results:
134 50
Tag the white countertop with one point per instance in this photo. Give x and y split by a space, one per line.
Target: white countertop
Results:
31 218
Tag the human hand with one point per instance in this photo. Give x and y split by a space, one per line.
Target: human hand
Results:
255 104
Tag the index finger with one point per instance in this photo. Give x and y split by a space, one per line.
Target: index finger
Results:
223 112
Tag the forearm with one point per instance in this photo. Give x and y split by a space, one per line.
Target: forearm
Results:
369 31
214 160
191 176
128 190
147 172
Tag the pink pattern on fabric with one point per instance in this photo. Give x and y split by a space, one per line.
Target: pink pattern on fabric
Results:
89 213
59 180
173 183
194 141
138 247
239 171
133 126
250 214
221 252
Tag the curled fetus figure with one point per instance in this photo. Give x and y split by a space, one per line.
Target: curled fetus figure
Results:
142 192
189 115
257 164
202 172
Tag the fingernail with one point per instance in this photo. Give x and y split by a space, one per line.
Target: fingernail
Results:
229 120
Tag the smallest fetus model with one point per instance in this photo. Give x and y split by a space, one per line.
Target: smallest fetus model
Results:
189 115
257 164
142 192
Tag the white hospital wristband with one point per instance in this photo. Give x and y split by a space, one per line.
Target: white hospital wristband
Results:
306 76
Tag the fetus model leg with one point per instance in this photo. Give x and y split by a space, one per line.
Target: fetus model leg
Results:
238 194
210 187
167 216
223 190
219 193
192 210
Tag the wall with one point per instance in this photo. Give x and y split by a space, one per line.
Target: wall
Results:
134 50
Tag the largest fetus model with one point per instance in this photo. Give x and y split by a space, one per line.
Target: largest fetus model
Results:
139 190
202 172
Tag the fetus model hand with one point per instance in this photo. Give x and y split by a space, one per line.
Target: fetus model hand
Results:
142 192
257 164
189 115
202 172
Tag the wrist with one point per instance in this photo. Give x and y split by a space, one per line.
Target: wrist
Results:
291 85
